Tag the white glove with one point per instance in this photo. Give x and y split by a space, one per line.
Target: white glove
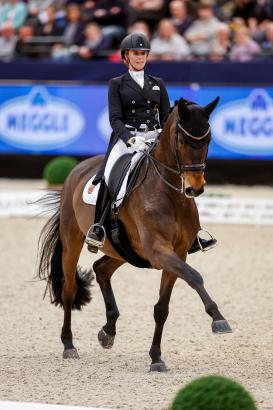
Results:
138 144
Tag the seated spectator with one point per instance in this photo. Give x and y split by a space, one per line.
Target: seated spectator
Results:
180 17
14 12
23 47
50 28
267 45
141 27
73 34
35 7
112 17
203 30
150 11
74 27
169 45
220 45
8 41
94 43
2 12
244 48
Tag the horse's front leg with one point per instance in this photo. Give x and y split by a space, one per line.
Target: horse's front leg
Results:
164 257
104 269
161 311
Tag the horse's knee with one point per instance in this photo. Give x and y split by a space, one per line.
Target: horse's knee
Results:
160 314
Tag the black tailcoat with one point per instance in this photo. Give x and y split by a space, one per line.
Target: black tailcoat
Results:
132 105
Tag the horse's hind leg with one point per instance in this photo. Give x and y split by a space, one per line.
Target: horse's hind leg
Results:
161 311
104 269
71 252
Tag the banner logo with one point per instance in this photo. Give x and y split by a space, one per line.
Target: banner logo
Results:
40 121
245 126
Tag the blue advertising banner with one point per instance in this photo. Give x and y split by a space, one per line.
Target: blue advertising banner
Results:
73 119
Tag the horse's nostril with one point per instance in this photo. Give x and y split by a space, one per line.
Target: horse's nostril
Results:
189 191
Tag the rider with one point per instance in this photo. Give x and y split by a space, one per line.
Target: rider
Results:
138 105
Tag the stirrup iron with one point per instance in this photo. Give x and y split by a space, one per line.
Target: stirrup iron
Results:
211 238
92 241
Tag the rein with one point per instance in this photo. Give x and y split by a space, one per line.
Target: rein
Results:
181 168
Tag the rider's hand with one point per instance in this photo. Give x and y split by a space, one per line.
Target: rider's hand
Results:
138 144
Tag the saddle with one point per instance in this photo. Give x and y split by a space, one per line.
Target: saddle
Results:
114 228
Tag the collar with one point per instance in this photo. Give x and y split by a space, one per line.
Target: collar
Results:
136 73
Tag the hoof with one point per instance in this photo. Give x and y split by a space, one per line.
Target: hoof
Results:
106 341
221 326
70 354
158 367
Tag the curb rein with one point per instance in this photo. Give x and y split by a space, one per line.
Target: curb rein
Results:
181 168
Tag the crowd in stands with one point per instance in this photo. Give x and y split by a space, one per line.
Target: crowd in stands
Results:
179 30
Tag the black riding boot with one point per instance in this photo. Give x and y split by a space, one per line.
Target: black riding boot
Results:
201 244
96 234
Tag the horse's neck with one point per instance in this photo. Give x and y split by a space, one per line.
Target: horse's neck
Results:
164 151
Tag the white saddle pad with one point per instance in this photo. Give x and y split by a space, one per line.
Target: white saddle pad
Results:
90 198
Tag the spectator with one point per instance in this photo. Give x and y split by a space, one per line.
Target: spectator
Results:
23 48
112 17
73 34
267 45
180 16
14 12
141 27
169 45
150 11
244 48
50 28
221 44
8 41
74 28
2 12
202 31
94 44
35 7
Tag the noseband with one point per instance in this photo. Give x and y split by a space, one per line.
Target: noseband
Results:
194 142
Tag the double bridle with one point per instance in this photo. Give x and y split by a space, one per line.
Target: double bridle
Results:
195 142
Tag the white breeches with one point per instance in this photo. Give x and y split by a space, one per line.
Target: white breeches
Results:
120 148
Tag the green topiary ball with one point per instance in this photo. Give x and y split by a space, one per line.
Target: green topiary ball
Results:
213 393
57 169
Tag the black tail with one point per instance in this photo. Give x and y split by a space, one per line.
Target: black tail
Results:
50 266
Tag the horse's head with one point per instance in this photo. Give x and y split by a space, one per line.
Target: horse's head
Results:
191 143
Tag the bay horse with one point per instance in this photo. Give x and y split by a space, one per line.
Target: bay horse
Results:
160 218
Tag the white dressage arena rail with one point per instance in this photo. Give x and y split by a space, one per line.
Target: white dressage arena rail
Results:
212 209
14 405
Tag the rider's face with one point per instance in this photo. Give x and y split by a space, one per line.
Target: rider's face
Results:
137 59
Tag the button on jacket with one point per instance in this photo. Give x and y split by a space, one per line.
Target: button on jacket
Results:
129 104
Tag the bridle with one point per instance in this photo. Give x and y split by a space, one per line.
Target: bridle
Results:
193 141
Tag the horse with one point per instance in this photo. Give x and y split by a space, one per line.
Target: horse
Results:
161 221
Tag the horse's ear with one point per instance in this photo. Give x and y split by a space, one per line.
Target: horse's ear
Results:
211 106
183 111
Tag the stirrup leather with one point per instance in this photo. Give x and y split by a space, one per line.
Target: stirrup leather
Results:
207 248
92 241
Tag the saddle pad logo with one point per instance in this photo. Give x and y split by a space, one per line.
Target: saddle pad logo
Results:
245 126
40 121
